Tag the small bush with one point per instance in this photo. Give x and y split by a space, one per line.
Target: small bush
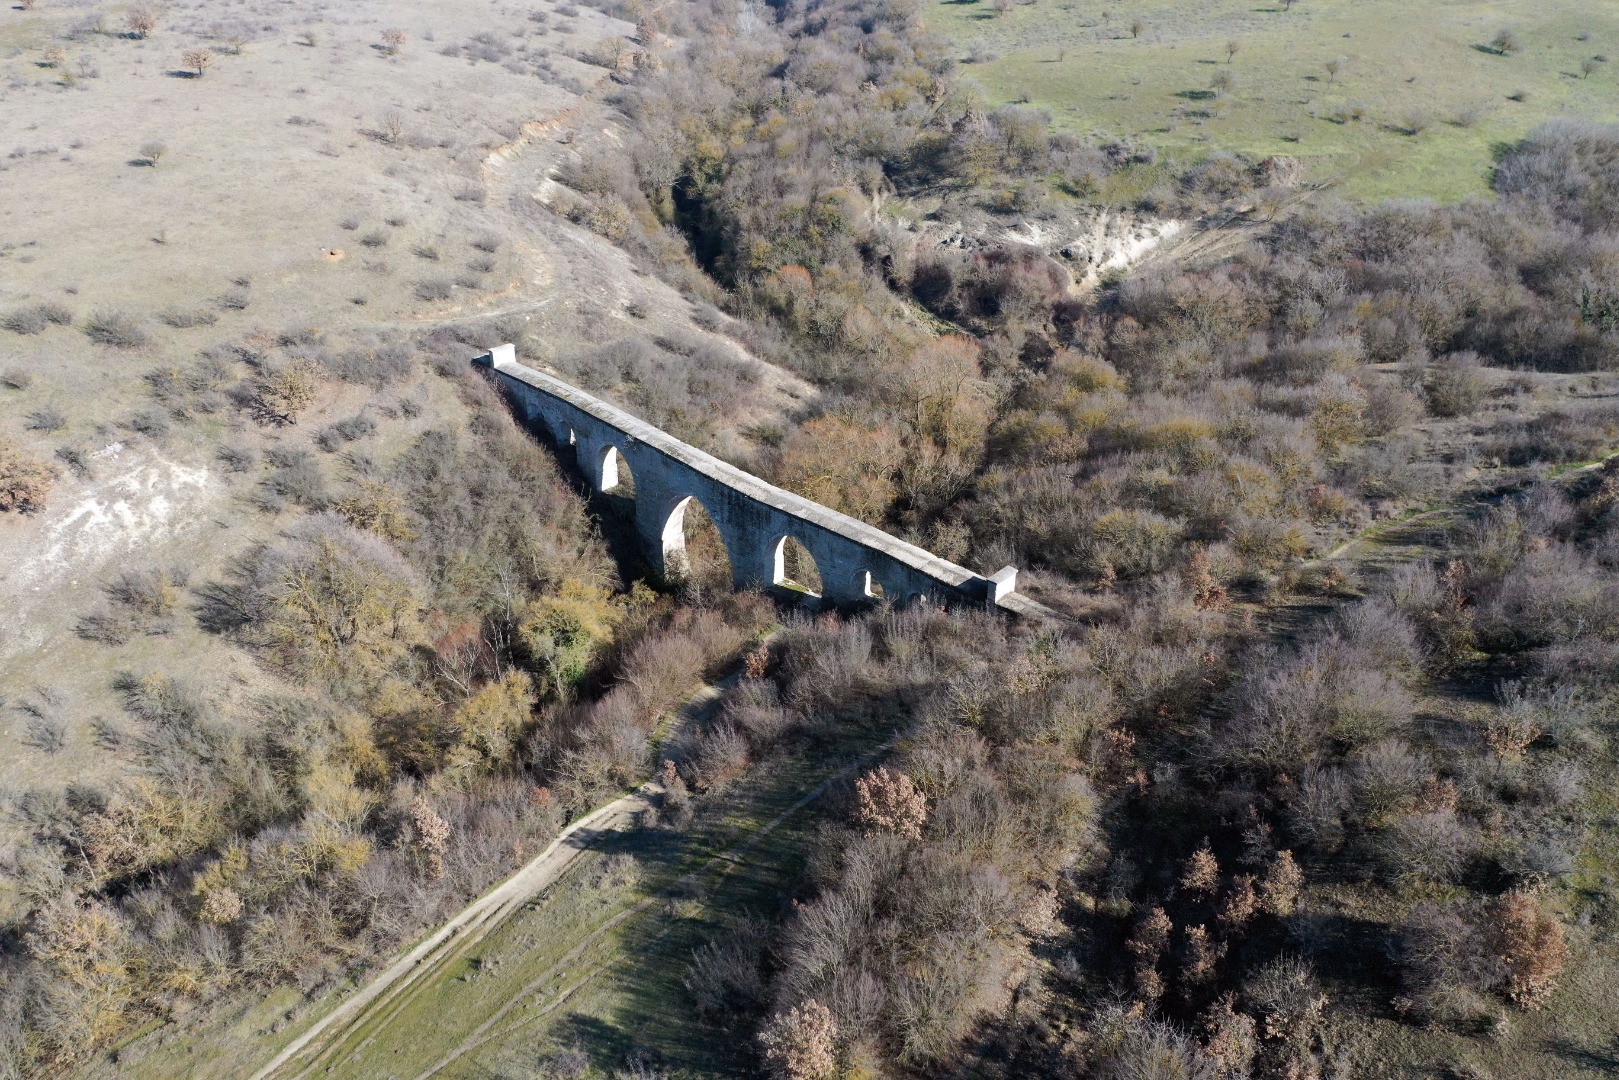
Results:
236 299
298 478
34 319
119 329
24 481
237 459
47 419
1455 386
17 380
434 289
376 366
486 242
374 239
345 431
185 318
151 422
471 193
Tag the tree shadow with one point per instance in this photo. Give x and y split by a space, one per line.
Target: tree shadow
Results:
222 607
1604 1060
1487 50
1196 95
180 73
606 1044
141 163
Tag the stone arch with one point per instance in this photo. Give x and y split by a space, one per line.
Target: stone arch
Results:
682 555
613 473
790 559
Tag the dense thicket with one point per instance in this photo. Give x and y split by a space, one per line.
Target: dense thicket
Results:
457 673
1257 404
1181 432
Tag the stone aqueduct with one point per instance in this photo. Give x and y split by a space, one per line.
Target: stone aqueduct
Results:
856 561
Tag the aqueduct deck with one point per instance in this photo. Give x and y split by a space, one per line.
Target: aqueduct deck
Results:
856 561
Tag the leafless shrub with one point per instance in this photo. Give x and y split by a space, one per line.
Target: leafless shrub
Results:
472 193
238 459
376 366
1425 846
35 318
334 437
1455 385
436 288
374 239
151 152
185 318
47 419
391 126
119 329
487 242
725 978
16 379
296 478
46 733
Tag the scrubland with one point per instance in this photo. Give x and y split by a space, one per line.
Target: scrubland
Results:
308 643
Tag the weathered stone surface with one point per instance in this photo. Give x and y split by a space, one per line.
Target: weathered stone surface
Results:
856 561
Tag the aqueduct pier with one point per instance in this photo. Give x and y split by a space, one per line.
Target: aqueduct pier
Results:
857 562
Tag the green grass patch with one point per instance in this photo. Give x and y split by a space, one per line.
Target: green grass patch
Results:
1398 63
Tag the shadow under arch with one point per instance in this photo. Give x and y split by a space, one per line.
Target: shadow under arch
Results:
694 549
793 567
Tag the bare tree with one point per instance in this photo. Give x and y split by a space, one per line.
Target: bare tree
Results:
1232 47
393 126
1136 28
1505 42
393 40
1587 66
200 59
152 152
141 22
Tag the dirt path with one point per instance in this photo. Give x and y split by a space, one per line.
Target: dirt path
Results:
467 926
732 857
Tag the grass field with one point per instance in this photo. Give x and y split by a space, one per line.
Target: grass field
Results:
1400 65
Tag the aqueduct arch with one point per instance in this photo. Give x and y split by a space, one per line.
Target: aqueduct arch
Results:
856 561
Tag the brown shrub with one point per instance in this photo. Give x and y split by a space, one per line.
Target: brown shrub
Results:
801 1043
1202 874
1279 888
24 481
1241 904
889 802
1531 944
